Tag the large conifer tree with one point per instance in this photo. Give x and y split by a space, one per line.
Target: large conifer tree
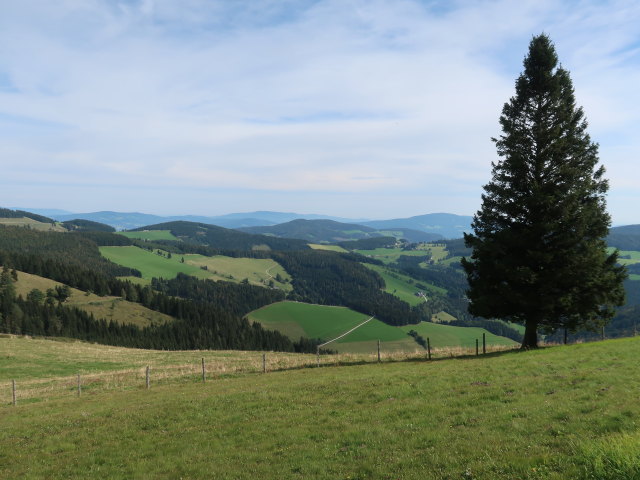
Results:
539 255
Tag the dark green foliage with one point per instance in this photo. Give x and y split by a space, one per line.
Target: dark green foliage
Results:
79 225
330 278
31 250
539 257
238 299
106 239
224 238
418 338
456 248
6 213
442 276
625 238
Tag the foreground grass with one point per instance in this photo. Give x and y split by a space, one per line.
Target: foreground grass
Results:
559 413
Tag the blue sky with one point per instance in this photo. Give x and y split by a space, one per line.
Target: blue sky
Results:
367 109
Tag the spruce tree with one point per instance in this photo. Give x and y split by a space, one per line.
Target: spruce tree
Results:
539 256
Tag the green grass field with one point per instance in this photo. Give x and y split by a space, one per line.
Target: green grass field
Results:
296 319
634 257
403 286
31 223
150 264
331 248
109 308
558 413
390 255
150 235
257 271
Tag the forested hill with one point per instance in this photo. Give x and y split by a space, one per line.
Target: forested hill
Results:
224 238
318 231
7 213
624 238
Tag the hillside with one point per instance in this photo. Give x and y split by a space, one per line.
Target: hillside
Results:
224 238
329 231
107 307
445 224
558 413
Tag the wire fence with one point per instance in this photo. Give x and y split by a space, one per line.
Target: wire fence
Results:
207 366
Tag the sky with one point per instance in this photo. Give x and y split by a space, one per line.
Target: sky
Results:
353 108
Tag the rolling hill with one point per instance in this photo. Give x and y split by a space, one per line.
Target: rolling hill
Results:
329 231
445 224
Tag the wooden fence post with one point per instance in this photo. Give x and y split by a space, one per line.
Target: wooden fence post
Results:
264 363
484 343
204 372
317 356
147 377
13 384
378 351
79 386
428 348
477 349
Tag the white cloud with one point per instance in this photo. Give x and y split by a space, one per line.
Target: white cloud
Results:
274 99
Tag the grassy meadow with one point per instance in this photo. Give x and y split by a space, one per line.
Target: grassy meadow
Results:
319 321
256 271
331 248
31 223
390 255
107 307
569 412
403 286
150 235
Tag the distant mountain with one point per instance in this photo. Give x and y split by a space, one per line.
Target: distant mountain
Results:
130 220
47 212
330 231
445 224
225 238
624 238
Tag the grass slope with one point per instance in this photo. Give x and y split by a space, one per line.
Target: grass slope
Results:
150 235
150 264
257 271
559 413
403 286
296 319
331 248
109 308
31 223
390 255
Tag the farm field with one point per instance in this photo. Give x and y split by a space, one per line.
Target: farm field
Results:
632 257
331 248
390 255
151 264
557 413
318 321
403 286
258 271
109 308
150 235
31 223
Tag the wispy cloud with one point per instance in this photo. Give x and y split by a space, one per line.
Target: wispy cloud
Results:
282 104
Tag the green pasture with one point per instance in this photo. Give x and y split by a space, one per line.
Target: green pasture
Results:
634 257
390 255
403 286
258 271
31 223
150 235
331 248
442 335
568 412
107 307
296 319
151 264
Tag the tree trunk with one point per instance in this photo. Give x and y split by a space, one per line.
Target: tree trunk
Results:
530 339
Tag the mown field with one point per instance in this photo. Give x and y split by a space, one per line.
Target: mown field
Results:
403 286
150 235
318 321
390 255
107 307
256 271
331 248
558 413
31 223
